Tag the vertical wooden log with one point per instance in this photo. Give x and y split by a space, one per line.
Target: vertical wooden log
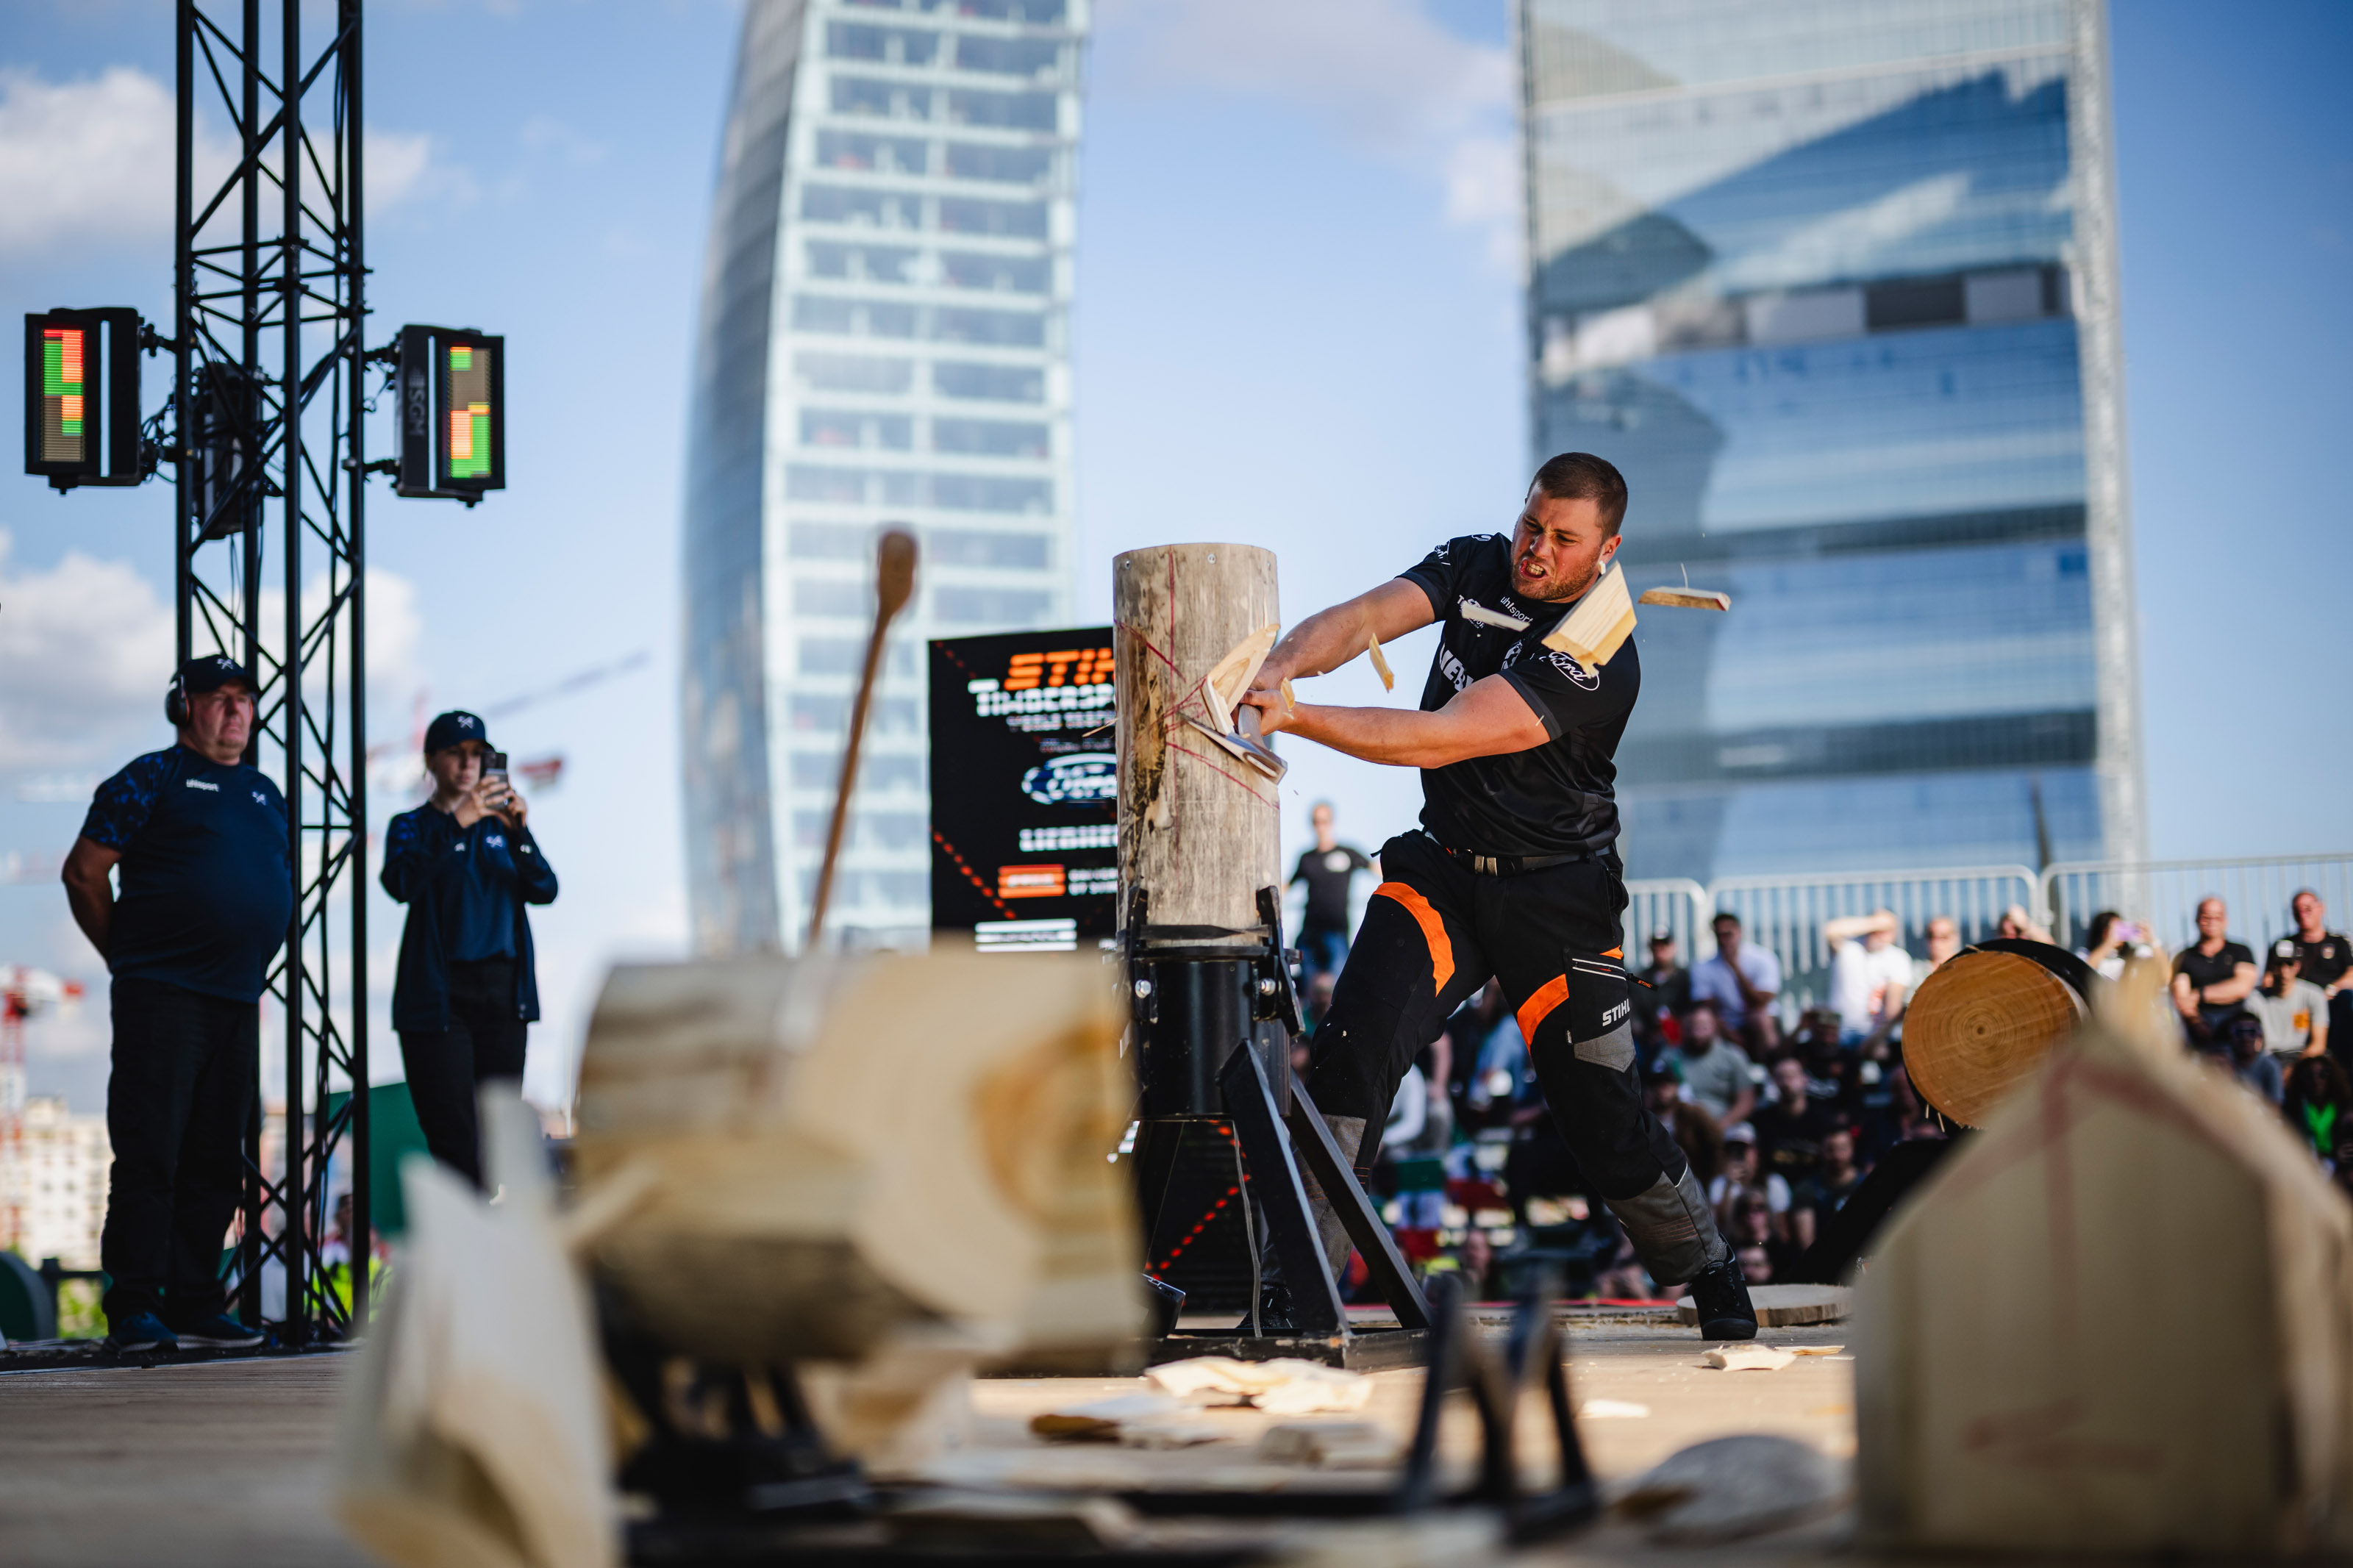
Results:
1197 827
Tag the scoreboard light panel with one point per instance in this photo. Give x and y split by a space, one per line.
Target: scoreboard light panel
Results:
466 410
65 436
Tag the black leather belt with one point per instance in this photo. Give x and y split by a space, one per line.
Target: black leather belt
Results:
1509 864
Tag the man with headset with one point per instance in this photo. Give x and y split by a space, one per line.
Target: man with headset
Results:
207 894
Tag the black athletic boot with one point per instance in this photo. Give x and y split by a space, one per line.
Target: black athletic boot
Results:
1721 1294
1274 1315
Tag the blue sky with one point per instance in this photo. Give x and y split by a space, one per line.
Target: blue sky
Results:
1298 324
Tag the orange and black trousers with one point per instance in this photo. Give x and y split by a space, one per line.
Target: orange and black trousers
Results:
1433 933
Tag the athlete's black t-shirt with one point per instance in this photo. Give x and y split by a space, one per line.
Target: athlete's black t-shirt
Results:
1327 873
1557 798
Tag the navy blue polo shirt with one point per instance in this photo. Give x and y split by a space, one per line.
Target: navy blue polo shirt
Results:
478 905
206 889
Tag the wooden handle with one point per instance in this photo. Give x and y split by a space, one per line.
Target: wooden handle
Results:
894 584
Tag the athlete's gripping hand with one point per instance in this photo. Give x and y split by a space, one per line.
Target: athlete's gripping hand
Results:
1273 713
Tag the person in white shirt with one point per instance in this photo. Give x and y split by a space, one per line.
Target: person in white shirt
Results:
1869 976
1741 981
2294 1012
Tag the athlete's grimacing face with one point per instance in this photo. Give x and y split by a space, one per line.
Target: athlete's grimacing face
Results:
1558 548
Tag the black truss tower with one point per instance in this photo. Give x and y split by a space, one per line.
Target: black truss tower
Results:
268 390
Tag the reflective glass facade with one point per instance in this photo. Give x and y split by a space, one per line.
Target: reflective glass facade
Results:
1832 281
883 338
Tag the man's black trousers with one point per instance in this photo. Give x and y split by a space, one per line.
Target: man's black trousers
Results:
447 1067
1433 933
178 1103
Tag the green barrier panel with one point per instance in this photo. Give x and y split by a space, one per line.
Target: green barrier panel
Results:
26 1310
392 1133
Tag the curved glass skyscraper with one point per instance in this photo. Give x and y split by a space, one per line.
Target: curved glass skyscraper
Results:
1833 281
883 338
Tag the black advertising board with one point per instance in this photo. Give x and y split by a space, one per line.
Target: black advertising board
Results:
1025 815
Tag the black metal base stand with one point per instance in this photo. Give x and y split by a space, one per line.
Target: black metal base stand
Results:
1273 1147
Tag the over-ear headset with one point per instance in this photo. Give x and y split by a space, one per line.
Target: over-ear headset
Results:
175 702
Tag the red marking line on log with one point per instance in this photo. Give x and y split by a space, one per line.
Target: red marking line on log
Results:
1216 767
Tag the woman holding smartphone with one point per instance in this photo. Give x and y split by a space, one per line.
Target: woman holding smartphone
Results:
466 865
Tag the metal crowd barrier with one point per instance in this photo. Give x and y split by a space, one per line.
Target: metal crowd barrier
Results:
1786 914
2164 895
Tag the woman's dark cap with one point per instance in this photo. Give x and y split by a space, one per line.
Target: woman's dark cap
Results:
452 728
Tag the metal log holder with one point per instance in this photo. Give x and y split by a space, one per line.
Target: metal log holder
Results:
1214 1013
739 1474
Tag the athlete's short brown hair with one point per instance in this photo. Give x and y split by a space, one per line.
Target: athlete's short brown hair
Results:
1582 476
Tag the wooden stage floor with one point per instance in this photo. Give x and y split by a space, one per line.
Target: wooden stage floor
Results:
225 1464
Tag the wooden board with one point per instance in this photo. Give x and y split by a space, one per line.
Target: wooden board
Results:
1785 1306
1197 826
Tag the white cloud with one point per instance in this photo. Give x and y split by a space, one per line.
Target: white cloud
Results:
90 160
1390 80
85 651
544 134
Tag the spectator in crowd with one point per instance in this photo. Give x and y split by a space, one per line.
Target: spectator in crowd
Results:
2294 1012
1835 1177
2212 978
1765 1256
1715 1073
2325 958
1696 1132
1740 1176
2017 925
1329 871
1741 981
467 990
1870 975
2318 1103
1662 999
207 894
2254 1066
2109 942
1791 1127
1944 942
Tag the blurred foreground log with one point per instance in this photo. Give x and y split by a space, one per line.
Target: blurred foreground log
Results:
852 1152
473 1431
2119 1319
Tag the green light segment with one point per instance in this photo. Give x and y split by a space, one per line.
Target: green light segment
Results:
478 461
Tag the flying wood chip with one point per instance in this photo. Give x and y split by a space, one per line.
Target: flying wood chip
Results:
1686 598
1600 624
1381 666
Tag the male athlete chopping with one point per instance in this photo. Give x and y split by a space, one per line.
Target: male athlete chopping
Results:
1515 872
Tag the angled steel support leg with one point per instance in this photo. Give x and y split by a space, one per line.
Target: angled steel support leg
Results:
1391 1274
1250 1101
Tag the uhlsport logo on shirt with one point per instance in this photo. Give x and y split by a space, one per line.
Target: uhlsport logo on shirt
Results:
259 798
494 841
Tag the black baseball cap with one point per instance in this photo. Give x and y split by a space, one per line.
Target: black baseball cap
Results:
212 672
451 728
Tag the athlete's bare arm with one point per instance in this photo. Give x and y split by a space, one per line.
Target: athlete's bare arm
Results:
1487 719
1330 638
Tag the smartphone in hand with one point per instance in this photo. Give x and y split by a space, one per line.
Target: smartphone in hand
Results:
494 774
